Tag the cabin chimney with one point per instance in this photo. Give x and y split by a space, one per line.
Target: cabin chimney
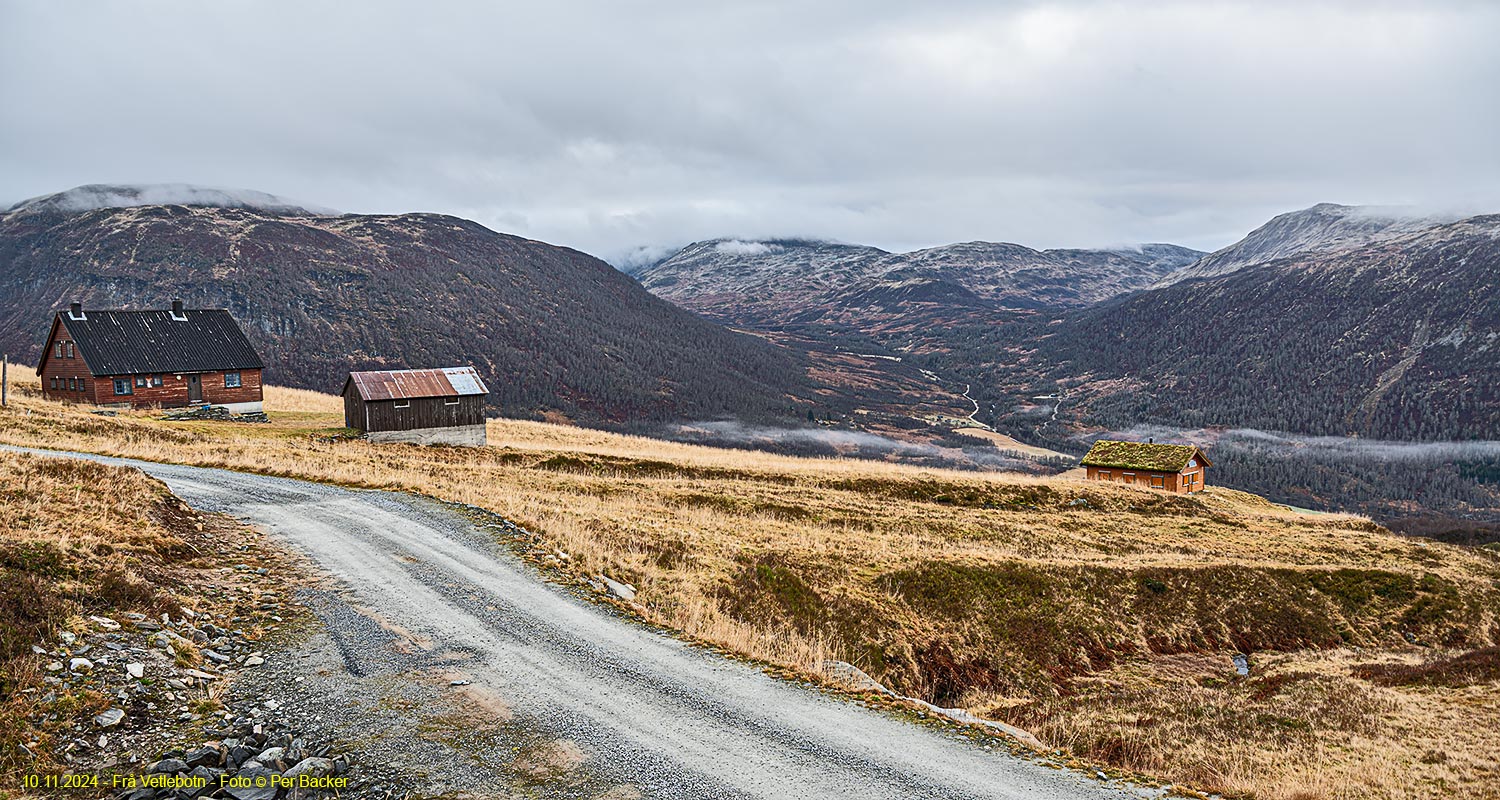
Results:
177 310
1150 440
75 310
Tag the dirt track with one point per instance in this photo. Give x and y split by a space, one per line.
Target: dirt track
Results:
631 704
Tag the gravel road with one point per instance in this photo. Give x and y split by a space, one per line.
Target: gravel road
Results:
630 703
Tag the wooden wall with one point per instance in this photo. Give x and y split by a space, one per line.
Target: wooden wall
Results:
425 412
1171 481
65 368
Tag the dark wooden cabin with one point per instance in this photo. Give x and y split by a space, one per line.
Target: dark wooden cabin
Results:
138 359
419 406
1181 468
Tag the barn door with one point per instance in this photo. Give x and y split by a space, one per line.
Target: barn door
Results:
195 388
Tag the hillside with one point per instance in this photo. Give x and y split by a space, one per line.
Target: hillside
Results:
1322 229
1102 618
1396 339
552 330
778 282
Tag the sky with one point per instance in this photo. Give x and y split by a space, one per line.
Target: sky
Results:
625 128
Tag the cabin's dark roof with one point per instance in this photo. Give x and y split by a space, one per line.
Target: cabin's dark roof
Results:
1142 456
137 342
406 384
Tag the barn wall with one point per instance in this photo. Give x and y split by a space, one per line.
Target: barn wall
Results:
354 409
425 412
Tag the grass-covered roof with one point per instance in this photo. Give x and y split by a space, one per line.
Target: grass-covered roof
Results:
1141 455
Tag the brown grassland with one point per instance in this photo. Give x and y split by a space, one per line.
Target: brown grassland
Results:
1099 617
76 538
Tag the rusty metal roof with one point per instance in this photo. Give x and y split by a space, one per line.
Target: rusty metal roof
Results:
137 342
405 384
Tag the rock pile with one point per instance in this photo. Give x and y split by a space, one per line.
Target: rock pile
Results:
249 760
215 413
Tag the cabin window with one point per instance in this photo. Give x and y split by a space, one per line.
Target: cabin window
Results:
59 349
72 384
450 401
1106 475
140 380
122 386
232 380
403 404
1158 481
1128 477
53 384
72 353
155 380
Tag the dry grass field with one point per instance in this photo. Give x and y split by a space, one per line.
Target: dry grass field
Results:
1102 618
75 538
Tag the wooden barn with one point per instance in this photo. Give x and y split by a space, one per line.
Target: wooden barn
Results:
1181 468
418 406
137 359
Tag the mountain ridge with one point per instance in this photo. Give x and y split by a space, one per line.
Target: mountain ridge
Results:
553 330
1321 228
775 281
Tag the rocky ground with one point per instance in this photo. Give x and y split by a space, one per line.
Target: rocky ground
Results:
159 704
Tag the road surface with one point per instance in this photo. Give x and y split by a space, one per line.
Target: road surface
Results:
673 720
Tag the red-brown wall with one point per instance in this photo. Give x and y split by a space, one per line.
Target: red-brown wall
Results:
1187 481
172 392
65 368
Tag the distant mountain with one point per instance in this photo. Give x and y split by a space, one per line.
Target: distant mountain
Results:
1398 338
1323 228
776 282
552 330
1331 321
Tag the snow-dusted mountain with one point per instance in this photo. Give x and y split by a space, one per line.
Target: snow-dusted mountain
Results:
1398 338
772 281
102 195
1324 228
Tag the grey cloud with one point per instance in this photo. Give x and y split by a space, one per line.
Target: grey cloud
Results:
615 126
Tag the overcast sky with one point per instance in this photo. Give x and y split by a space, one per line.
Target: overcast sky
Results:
619 124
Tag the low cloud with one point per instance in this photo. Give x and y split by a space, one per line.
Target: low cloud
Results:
1321 448
737 247
832 441
96 196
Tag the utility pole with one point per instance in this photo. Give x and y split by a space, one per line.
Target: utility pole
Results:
4 379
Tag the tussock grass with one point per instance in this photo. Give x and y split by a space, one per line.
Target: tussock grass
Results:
1051 603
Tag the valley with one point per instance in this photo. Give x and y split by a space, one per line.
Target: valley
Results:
1331 322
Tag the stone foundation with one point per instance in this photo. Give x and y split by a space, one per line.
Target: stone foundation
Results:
461 435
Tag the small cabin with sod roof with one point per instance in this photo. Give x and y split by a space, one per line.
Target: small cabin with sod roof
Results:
417 406
136 359
1181 468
